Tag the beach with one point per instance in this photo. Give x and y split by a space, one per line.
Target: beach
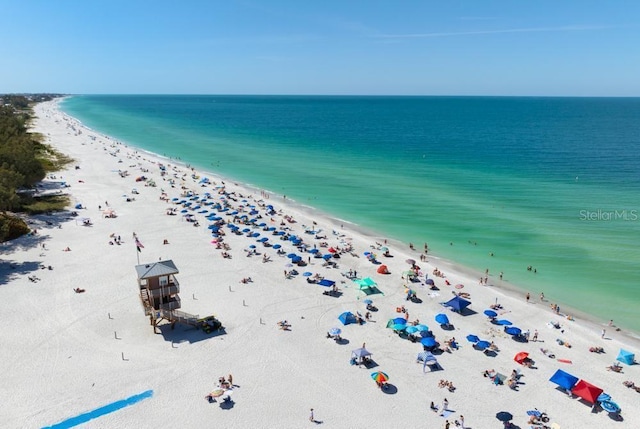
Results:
68 354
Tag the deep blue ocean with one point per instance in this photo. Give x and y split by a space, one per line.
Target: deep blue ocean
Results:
488 182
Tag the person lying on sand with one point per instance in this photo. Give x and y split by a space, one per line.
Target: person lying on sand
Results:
78 290
284 325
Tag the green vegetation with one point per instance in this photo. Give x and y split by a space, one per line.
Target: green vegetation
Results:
24 161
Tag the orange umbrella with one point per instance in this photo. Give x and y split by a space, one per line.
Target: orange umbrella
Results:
520 357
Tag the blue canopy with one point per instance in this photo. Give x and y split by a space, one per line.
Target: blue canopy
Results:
400 321
457 303
426 357
490 313
347 317
442 319
564 379
626 357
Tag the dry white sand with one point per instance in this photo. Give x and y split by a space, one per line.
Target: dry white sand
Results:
60 356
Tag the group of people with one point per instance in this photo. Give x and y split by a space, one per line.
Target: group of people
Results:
448 384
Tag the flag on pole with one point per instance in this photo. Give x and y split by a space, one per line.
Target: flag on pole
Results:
139 245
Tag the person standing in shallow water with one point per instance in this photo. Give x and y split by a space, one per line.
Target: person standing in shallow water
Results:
528 296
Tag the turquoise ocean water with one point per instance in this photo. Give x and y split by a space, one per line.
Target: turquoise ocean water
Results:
552 183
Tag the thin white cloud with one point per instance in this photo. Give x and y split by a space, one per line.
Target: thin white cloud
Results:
565 28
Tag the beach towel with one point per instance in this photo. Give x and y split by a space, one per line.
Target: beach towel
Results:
446 413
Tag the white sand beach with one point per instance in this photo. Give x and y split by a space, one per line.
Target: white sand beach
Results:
67 353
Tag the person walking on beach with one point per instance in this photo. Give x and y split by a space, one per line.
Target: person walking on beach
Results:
461 421
528 296
311 417
535 335
604 332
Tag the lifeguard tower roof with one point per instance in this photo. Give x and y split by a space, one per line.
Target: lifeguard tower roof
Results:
156 269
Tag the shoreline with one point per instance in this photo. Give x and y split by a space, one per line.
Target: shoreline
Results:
84 350
505 286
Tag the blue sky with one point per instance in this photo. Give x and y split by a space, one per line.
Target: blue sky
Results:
463 47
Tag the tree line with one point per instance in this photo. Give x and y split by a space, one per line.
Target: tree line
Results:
24 161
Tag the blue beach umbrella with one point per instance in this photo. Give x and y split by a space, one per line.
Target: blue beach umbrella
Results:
314 250
307 273
400 320
411 329
512 330
276 246
422 328
473 338
399 326
610 406
296 259
482 344
327 256
428 341
291 255
367 301
335 331
442 319
504 322
253 246
490 313
246 230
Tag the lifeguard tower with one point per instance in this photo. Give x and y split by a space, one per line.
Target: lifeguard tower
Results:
159 293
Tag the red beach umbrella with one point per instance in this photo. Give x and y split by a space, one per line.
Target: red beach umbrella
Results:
587 391
520 357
